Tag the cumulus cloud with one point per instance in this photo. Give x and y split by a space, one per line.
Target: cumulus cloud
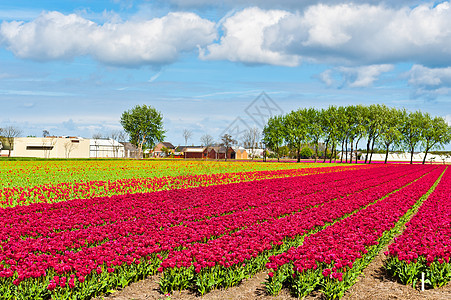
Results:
289 4
154 42
430 82
356 77
243 39
366 34
365 75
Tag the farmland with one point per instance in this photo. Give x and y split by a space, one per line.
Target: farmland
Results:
86 229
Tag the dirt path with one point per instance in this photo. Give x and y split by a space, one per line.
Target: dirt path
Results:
372 284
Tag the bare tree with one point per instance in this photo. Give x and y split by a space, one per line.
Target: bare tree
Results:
187 134
114 136
96 137
206 141
122 138
251 138
228 142
69 146
47 144
8 134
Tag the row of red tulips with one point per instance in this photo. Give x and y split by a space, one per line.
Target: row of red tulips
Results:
117 248
51 193
333 258
167 208
425 245
225 261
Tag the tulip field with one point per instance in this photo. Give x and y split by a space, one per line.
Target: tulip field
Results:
87 231
26 182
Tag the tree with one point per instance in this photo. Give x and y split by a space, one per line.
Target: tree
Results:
342 128
413 131
69 146
273 134
295 130
144 125
391 133
45 133
251 138
314 129
114 137
436 133
306 152
207 141
8 134
357 129
187 134
227 142
96 137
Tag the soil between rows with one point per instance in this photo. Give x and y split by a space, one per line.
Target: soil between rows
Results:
373 283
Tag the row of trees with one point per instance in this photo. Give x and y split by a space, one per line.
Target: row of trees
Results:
378 125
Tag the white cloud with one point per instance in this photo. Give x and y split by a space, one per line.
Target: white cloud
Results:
243 39
448 119
326 77
365 34
365 75
157 41
430 82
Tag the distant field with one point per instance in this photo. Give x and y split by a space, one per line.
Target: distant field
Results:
32 173
25 182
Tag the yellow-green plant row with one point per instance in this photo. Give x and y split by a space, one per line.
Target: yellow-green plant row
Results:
34 173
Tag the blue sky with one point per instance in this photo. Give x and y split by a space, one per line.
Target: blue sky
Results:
73 67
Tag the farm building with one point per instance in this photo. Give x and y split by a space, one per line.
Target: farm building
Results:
212 152
158 149
51 147
105 148
241 153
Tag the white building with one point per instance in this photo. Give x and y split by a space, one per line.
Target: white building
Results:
106 148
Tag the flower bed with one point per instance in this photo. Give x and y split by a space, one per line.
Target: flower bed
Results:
425 245
63 191
92 245
227 260
332 258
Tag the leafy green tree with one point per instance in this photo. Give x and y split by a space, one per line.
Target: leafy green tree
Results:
342 127
295 130
358 130
373 123
436 133
412 131
329 126
273 134
144 126
306 152
314 128
391 134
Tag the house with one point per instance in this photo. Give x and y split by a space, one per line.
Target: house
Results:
212 152
130 150
193 152
219 152
241 153
158 149
106 148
